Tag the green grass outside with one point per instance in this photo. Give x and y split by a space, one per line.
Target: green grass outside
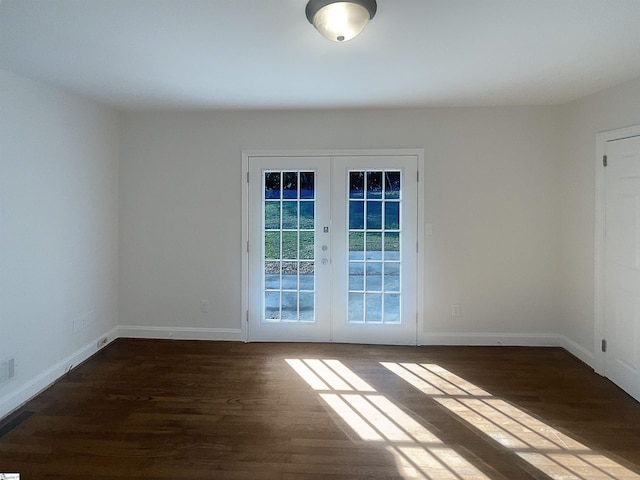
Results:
304 250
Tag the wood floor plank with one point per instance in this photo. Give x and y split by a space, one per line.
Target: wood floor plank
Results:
151 409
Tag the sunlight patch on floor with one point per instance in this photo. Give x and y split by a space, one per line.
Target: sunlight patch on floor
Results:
375 419
542 446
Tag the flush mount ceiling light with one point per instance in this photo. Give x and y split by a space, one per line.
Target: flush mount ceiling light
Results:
340 21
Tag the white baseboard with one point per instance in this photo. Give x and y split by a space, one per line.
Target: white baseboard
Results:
488 339
15 399
579 351
509 340
181 333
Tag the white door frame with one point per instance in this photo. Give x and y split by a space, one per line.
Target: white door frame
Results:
599 241
247 154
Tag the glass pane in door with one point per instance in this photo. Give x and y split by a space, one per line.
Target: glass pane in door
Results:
373 240
288 245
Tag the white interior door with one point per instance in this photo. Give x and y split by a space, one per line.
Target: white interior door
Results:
332 248
622 264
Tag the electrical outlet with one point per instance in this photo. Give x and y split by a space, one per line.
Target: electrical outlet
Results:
83 321
456 310
7 369
204 306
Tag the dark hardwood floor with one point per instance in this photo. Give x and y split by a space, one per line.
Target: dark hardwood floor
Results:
143 409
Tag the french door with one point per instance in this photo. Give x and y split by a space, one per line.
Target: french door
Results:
332 248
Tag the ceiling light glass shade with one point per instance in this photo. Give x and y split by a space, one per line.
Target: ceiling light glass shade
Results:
340 21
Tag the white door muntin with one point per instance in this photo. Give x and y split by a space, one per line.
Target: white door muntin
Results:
336 328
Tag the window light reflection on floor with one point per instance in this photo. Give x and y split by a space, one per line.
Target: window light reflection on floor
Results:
547 449
375 419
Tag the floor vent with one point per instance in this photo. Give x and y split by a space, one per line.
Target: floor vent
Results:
12 421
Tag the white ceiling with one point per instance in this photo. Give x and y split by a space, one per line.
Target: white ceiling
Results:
229 54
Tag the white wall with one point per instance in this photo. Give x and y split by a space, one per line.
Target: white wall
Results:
58 231
509 191
492 195
611 109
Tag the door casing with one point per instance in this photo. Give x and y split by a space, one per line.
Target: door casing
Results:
599 240
248 154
